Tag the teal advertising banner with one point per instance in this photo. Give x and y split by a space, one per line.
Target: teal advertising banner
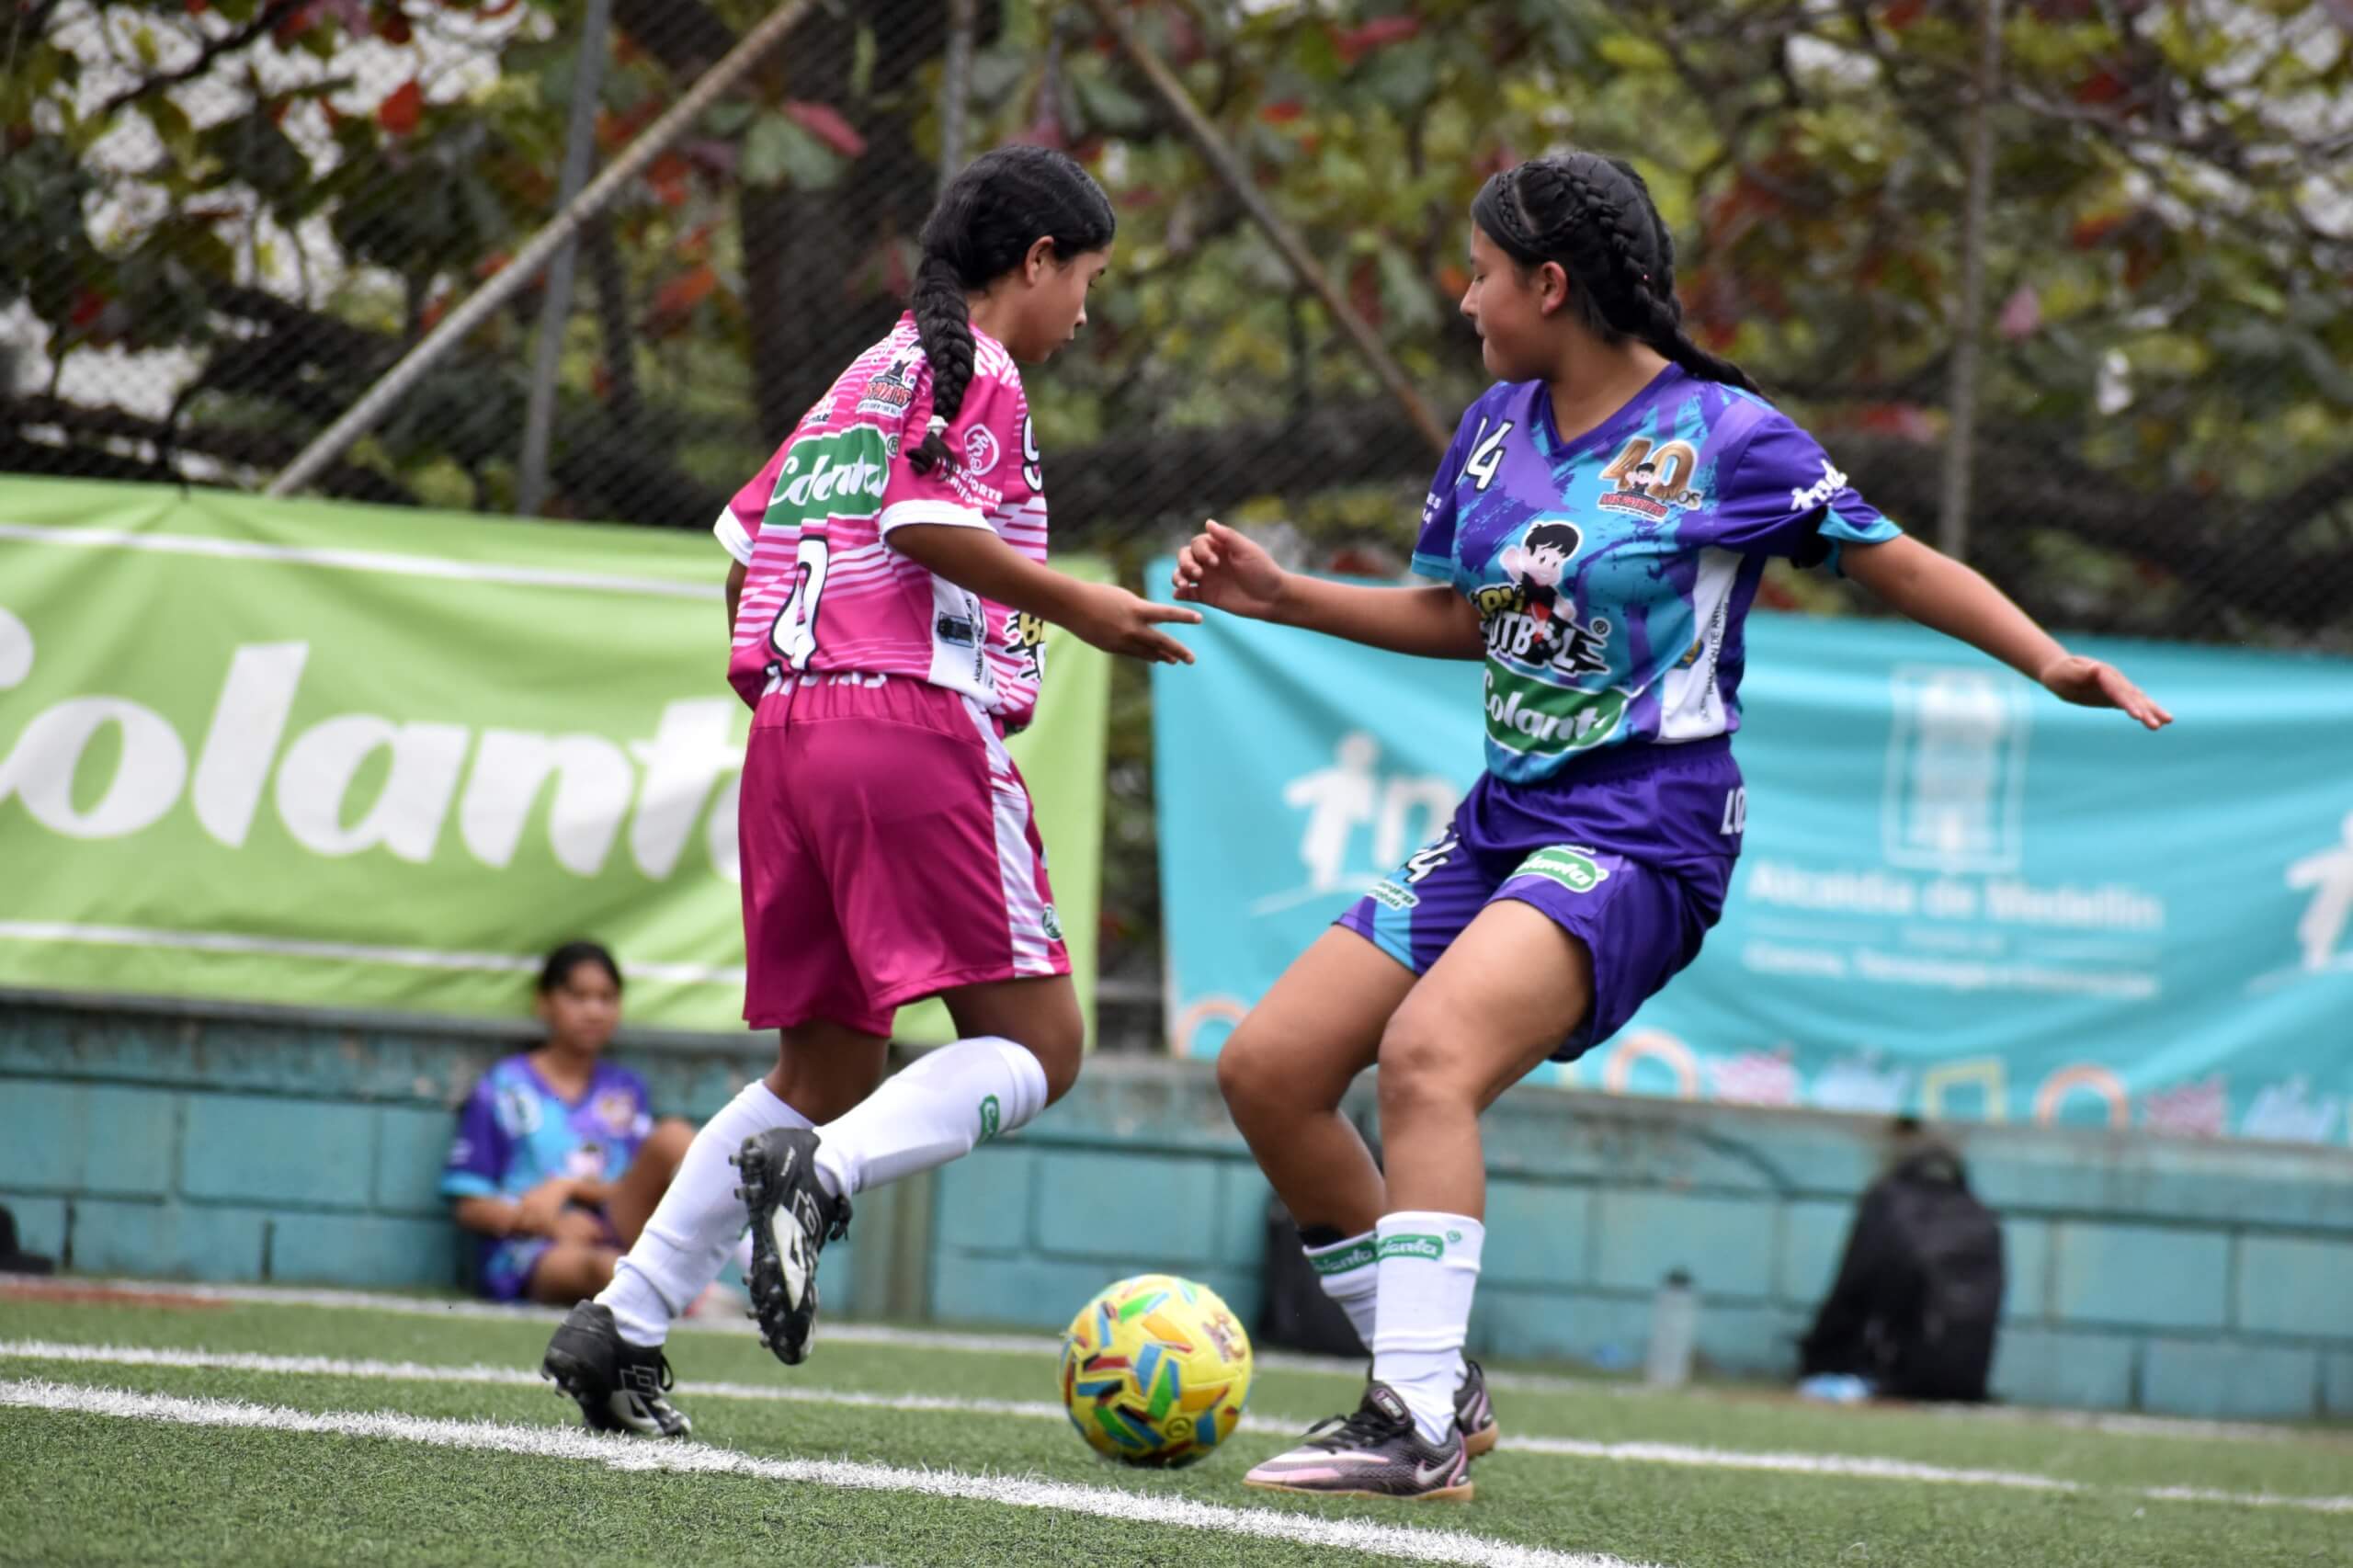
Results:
1958 895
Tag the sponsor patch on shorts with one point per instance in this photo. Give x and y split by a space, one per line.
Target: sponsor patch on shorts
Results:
1573 869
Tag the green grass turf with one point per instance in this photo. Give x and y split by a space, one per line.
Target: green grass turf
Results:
114 1489
2320 1464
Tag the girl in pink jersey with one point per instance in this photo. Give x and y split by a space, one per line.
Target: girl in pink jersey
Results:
887 600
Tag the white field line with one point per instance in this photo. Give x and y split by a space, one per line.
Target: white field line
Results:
1020 1344
1844 1466
623 1453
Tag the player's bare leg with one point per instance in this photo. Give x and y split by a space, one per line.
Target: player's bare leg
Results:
1284 1073
573 1271
1287 1066
1493 1007
1020 1046
630 1201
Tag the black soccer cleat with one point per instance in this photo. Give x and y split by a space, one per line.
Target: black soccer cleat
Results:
792 1218
1474 1414
619 1387
1377 1452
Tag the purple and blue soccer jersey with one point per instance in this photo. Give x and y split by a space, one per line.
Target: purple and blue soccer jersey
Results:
514 1132
1612 574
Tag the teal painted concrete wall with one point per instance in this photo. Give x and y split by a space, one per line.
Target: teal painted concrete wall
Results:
2183 1278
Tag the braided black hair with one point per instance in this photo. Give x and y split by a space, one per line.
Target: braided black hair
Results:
985 221
1594 216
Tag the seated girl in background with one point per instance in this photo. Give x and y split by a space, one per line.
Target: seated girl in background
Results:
558 1159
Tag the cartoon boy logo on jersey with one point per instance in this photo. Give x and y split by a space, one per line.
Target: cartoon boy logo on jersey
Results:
1531 620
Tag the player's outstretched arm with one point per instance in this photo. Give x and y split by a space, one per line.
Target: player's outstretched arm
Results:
1228 571
1110 618
1946 595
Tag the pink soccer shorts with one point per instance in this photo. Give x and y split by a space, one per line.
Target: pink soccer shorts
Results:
890 852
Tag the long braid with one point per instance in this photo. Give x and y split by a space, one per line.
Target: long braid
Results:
985 225
1594 216
944 326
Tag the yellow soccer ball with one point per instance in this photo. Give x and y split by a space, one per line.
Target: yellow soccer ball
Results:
1154 1370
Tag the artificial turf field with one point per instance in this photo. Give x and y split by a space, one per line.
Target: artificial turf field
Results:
150 1427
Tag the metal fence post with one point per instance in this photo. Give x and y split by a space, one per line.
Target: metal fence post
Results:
547 358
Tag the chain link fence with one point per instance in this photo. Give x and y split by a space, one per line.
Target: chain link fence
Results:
222 220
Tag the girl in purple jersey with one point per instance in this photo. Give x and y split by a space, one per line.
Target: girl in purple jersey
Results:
1597 529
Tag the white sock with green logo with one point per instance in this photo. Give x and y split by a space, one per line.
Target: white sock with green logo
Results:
932 1112
1429 1270
1349 1274
685 1243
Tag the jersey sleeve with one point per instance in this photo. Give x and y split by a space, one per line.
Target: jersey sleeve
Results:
478 1154
1785 497
739 520
1434 547
988 440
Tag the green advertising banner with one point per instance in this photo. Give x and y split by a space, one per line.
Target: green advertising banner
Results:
365 757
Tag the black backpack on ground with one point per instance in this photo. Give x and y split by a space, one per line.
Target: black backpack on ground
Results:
1918 1296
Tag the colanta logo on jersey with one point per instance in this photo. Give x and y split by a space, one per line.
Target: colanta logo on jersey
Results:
1651 482
842 473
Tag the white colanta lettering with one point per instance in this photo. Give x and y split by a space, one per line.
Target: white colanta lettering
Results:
406 816
16 651
242 741
322 772
1529 721
828 480
693 745
148 771
1819 493
594 782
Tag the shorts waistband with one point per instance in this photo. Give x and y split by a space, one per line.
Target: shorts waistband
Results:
827 695
1623 762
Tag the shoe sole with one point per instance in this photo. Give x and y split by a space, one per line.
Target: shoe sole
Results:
1457 1494
770 1281
1482 1441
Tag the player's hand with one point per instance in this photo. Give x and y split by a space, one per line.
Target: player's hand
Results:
1118 622
577 1225
2088 683
536 1211
1229 571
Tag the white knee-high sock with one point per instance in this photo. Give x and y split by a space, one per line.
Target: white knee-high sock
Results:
685 1243
1429 1271
1350 1274
947 1100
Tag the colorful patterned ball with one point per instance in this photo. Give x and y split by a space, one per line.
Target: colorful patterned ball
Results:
1154 1370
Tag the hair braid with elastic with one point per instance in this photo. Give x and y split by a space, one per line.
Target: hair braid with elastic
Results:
982 227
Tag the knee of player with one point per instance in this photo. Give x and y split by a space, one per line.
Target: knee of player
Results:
1061 1058
1248 1075
1416 1060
